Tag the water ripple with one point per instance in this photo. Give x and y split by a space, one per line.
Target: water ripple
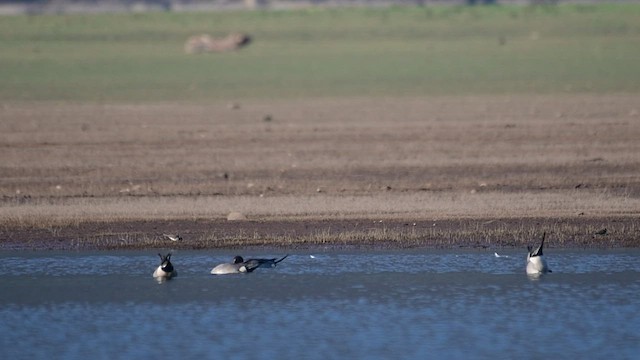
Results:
399 304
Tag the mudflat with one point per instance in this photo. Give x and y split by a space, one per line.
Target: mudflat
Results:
440 171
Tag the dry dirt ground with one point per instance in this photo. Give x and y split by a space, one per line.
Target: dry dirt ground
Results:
477 171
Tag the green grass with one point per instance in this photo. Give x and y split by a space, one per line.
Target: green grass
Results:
323 52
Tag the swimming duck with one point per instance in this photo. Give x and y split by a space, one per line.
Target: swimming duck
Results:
536 264
271 263
236 267
165 270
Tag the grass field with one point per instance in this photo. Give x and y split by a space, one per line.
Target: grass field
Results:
333 118
323 52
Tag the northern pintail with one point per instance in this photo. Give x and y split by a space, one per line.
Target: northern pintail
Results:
236 267
270 263
165 270
536 264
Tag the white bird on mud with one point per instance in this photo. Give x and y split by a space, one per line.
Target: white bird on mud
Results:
165 270
536 264
173 237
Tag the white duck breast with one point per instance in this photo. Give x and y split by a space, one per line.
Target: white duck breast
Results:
224 269
536 263
238 266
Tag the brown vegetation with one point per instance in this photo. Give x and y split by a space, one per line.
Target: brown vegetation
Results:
578 232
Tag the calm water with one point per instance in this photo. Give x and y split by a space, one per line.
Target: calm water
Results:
334 305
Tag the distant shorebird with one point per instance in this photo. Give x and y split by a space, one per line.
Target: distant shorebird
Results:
536 264
165 270
601 232
172 237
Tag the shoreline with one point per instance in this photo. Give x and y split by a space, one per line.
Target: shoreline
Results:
362 233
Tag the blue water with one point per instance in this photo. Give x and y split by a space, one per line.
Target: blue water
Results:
412 304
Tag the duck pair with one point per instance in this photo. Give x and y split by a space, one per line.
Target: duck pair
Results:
239 265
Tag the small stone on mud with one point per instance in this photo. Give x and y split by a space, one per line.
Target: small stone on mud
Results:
234 216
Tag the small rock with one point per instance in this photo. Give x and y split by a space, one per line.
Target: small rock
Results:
235 216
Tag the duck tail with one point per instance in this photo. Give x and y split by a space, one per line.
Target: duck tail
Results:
282 258
539 250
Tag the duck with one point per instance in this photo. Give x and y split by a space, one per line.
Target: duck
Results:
536 263
238 266
165 270
270 263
